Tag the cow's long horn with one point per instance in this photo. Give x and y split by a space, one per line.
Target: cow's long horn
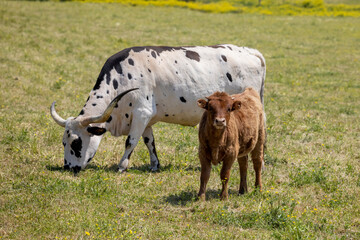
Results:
105 116
59 120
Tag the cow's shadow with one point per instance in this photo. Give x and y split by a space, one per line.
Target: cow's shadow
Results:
145 168
57 168
185 197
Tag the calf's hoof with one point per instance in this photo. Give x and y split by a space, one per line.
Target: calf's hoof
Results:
242 191
224 197
202 197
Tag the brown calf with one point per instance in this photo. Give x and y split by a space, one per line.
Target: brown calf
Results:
230 128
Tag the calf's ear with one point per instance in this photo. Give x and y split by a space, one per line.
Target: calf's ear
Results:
236 105
96 130
202 103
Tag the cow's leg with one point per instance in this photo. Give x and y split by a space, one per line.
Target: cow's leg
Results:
243 164
149 140
138 126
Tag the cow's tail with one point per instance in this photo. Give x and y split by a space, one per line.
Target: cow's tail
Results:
263 66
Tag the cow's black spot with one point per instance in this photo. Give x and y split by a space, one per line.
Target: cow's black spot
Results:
112 62
126 115
107 91
192 55
117 105
115 84
82 112
129 76
154 151
94 93
89 160
118 68
177 72
141 75
130 104
147 97
109 119
76 146
99 96
131 62
71 152
149 70
153 54
65 162
66 167
183 99
146 140
224 58
229 76
166 115
88 99
127 143
229 48
64 144
96 130
129 155
94 104
108 79
175 61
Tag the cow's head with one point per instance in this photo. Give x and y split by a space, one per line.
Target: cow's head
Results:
219 106
81 139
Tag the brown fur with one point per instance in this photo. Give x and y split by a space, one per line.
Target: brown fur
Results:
244 133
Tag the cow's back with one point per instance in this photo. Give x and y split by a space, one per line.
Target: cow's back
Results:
185 75
172 79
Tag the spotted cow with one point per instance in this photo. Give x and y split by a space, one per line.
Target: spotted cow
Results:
170 80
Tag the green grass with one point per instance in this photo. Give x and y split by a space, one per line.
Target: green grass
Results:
54 51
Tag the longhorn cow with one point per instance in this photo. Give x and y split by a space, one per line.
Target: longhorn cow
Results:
170 80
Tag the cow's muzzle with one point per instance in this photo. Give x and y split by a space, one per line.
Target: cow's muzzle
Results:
75 169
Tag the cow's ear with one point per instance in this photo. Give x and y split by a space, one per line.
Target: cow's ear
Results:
96 130
202 103
236 105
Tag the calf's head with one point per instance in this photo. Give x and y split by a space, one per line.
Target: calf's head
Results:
219 107
81 138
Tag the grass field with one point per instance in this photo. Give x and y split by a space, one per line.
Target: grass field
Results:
54 51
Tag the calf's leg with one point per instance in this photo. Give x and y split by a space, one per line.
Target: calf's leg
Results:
204 178
243 165
257 156
224 176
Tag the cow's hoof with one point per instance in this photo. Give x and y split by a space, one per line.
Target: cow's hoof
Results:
154 169
122 170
